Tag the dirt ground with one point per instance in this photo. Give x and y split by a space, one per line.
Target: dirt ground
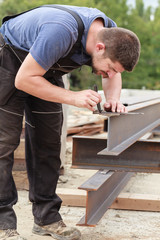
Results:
114 225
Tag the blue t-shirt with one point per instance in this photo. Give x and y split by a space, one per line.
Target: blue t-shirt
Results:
49 33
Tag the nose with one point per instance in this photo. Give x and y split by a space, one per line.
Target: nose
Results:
111 74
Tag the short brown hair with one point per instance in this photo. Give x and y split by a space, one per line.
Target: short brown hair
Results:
122 45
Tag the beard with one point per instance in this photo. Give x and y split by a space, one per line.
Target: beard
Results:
94 69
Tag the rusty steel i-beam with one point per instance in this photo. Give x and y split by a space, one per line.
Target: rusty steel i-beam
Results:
142 156
102 189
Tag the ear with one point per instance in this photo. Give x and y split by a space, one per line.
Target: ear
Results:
100 46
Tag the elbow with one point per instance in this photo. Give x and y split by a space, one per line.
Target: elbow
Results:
18 83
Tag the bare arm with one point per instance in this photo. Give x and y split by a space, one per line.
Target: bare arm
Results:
30 79
112 90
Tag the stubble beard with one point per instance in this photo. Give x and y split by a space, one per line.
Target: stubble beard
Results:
94 69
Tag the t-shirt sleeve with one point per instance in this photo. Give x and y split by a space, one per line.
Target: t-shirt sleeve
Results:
113 23
53 42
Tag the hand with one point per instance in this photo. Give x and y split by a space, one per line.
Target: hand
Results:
87 99
115 106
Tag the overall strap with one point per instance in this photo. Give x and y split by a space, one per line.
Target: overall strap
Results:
80 26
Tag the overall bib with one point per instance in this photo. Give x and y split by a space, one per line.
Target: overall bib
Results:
42 136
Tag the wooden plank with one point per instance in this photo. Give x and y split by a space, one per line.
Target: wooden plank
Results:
138 202
125 201
83 130
20 151
77 197
21 180
72 197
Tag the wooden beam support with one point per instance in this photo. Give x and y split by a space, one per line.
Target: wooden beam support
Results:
72 197
125 201
77 197
137 202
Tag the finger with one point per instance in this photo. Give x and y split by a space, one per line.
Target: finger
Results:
113 107
97 95
90 107
125 110
95 99
121 108
92 103
107 106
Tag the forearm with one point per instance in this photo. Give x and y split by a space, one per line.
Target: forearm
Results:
41 88
30 80
112 87
112 91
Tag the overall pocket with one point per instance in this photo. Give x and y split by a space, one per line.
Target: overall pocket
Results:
7 87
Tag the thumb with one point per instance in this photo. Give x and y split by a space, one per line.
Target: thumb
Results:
107 105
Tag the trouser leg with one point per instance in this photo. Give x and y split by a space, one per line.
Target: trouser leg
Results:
11 115
10 129
43 130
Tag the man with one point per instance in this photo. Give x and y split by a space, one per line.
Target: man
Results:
39 48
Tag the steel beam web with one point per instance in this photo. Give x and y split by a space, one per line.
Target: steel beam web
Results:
142 156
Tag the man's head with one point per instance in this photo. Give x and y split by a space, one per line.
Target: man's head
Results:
121 45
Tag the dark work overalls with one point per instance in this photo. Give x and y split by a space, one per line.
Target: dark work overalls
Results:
42 137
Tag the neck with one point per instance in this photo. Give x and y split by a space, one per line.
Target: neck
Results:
95 27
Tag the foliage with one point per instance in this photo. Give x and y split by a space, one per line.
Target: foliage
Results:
143 21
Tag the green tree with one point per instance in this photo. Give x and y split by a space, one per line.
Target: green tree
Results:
143 21
144 74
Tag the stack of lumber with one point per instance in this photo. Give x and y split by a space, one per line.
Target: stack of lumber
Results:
87 129
84 122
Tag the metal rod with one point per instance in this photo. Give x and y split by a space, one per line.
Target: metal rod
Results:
98 104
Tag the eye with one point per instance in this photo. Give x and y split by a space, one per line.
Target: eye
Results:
112 69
